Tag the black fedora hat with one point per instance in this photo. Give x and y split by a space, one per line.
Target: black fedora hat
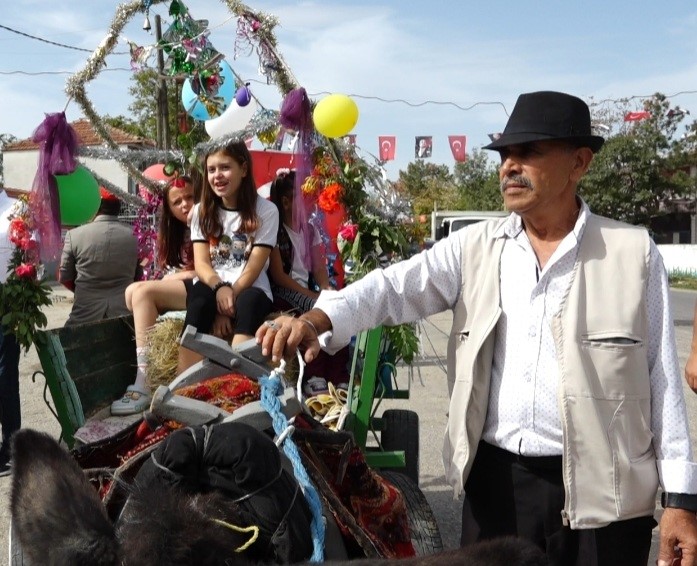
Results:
548 115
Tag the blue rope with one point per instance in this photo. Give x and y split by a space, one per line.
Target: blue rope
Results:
270 388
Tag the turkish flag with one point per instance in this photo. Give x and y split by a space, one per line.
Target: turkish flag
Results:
388 147
457 146
636 116
350 139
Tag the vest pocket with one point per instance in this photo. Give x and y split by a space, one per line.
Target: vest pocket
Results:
611 341
634 461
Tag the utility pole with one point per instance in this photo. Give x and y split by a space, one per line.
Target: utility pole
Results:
163 135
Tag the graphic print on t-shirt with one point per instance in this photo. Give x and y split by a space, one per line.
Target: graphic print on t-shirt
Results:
230 252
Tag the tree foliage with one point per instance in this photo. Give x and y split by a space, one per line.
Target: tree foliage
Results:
428 185
477 181
144 110
641 170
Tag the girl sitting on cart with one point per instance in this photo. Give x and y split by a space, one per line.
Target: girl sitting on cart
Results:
148 299
233 231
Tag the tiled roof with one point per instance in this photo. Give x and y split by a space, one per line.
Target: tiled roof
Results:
14 193
86 136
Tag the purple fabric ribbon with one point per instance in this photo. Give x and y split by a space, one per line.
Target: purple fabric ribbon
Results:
57 148
296 115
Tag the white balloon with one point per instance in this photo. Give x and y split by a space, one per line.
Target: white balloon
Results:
234 119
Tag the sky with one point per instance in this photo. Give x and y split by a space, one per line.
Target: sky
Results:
456 67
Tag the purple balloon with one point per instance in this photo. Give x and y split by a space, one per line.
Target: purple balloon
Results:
243 96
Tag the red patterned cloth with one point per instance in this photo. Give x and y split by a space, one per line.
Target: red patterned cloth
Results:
228 392
377 506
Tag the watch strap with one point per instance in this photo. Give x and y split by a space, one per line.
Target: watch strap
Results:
687 501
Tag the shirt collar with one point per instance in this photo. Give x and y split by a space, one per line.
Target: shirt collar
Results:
513 225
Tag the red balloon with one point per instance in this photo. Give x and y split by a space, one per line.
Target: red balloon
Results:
155 172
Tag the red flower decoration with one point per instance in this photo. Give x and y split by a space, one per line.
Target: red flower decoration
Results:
18 231
26 270
27 244
348 232
329 198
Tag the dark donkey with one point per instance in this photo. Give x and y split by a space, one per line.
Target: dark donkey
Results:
60 520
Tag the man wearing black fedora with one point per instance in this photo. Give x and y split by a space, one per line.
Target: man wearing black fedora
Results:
566 412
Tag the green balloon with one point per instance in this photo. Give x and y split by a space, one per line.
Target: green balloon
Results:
79 197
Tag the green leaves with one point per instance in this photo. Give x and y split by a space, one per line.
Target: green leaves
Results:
21 299
404 343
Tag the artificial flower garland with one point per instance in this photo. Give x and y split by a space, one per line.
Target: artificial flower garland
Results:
24 292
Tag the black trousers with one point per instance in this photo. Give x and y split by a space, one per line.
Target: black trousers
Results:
10 414
252 306
507 494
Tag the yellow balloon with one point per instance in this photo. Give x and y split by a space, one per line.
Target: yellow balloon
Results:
335 115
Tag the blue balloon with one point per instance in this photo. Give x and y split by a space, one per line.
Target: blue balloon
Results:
197 109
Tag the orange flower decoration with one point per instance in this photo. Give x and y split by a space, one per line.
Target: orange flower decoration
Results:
329 198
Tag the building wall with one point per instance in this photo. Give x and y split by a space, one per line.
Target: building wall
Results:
19 168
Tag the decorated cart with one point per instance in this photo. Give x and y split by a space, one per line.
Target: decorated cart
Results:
335 444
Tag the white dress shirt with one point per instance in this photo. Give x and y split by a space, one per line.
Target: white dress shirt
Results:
523 416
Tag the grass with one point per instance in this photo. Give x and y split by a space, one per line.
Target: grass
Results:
683 280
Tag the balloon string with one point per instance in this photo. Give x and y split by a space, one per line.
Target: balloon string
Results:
67 102
241 81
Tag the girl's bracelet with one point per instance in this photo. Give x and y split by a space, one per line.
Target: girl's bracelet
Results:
220 284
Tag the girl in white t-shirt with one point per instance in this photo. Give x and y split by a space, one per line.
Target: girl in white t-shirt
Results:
290 270
233 232
291 265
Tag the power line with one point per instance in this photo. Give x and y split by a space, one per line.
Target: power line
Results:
424 103
387 100
53 42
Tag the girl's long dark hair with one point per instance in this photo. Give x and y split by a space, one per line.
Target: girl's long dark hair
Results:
209 218
174 249
282 186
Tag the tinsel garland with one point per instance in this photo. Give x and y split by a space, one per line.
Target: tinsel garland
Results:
76 84
145 231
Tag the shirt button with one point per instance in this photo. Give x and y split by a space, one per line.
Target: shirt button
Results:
532 332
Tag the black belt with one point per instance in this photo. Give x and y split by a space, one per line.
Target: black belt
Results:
532 462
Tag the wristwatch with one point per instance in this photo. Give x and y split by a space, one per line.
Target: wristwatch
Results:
687 501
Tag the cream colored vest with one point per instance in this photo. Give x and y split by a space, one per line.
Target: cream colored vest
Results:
609 465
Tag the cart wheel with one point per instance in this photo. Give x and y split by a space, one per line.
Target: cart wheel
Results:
401 432
425 534
16 554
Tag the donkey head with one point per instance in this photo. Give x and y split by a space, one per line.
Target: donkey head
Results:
60 520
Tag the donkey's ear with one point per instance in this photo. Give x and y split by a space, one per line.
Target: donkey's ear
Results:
56 513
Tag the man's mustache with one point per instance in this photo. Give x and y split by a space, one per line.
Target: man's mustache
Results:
516 180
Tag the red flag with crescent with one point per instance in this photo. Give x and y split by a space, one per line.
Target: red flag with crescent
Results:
388 147
350 139
457 146
636 116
